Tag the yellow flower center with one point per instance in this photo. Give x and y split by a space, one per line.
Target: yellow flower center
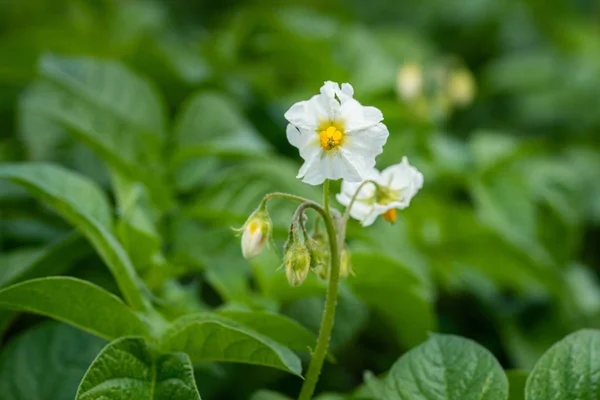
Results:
390 215
331 137
385 195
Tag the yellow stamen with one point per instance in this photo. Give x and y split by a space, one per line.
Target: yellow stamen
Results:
331 137
390 215
253 227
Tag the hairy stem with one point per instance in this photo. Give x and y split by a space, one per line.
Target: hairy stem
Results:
287 196
299 217
318 356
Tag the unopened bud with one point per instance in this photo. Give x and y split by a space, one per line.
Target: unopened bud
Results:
320 261
409 82
461 87
345 265
319 254
256 231
297 262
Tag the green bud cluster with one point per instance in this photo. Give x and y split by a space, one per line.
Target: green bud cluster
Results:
297 258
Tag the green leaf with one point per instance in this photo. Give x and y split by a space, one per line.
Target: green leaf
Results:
84 205
351 315
516 384
136 227
178 54
490 148
395 292
212 338
76 302
237 190
28 359
568 370
464 249
268 395
525 341
57 185
211 123
129 369
373 388
447 367
371 66
6 319
106 106
275 326
23 264
305 303
220 257
211 126
111 88
505 203
332 396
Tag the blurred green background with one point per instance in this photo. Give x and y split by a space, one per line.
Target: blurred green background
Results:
495 101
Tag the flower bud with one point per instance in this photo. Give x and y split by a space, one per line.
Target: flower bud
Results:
256 231
461 87
297 263
319 254
319 258
409 81
345 265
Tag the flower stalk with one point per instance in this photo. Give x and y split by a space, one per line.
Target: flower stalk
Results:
318 356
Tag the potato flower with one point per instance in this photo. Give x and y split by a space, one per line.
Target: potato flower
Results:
337 137
396 186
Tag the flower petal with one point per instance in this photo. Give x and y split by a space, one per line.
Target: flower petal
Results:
367 191
357 116
330 89
296 137
337 167
346 93
403 178
367 144
310 113
347 89
365 214
331 166
306 114
305 140
311 171
353 168
343 198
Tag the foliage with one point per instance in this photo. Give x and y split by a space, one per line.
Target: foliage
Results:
137 133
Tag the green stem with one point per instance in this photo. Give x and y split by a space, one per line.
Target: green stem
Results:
326 196
354 197
299 217
318 356
288 196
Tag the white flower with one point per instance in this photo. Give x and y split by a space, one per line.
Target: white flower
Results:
255 233
409 81
397 185
337 136
461 87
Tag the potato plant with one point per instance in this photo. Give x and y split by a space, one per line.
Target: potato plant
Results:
341 201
